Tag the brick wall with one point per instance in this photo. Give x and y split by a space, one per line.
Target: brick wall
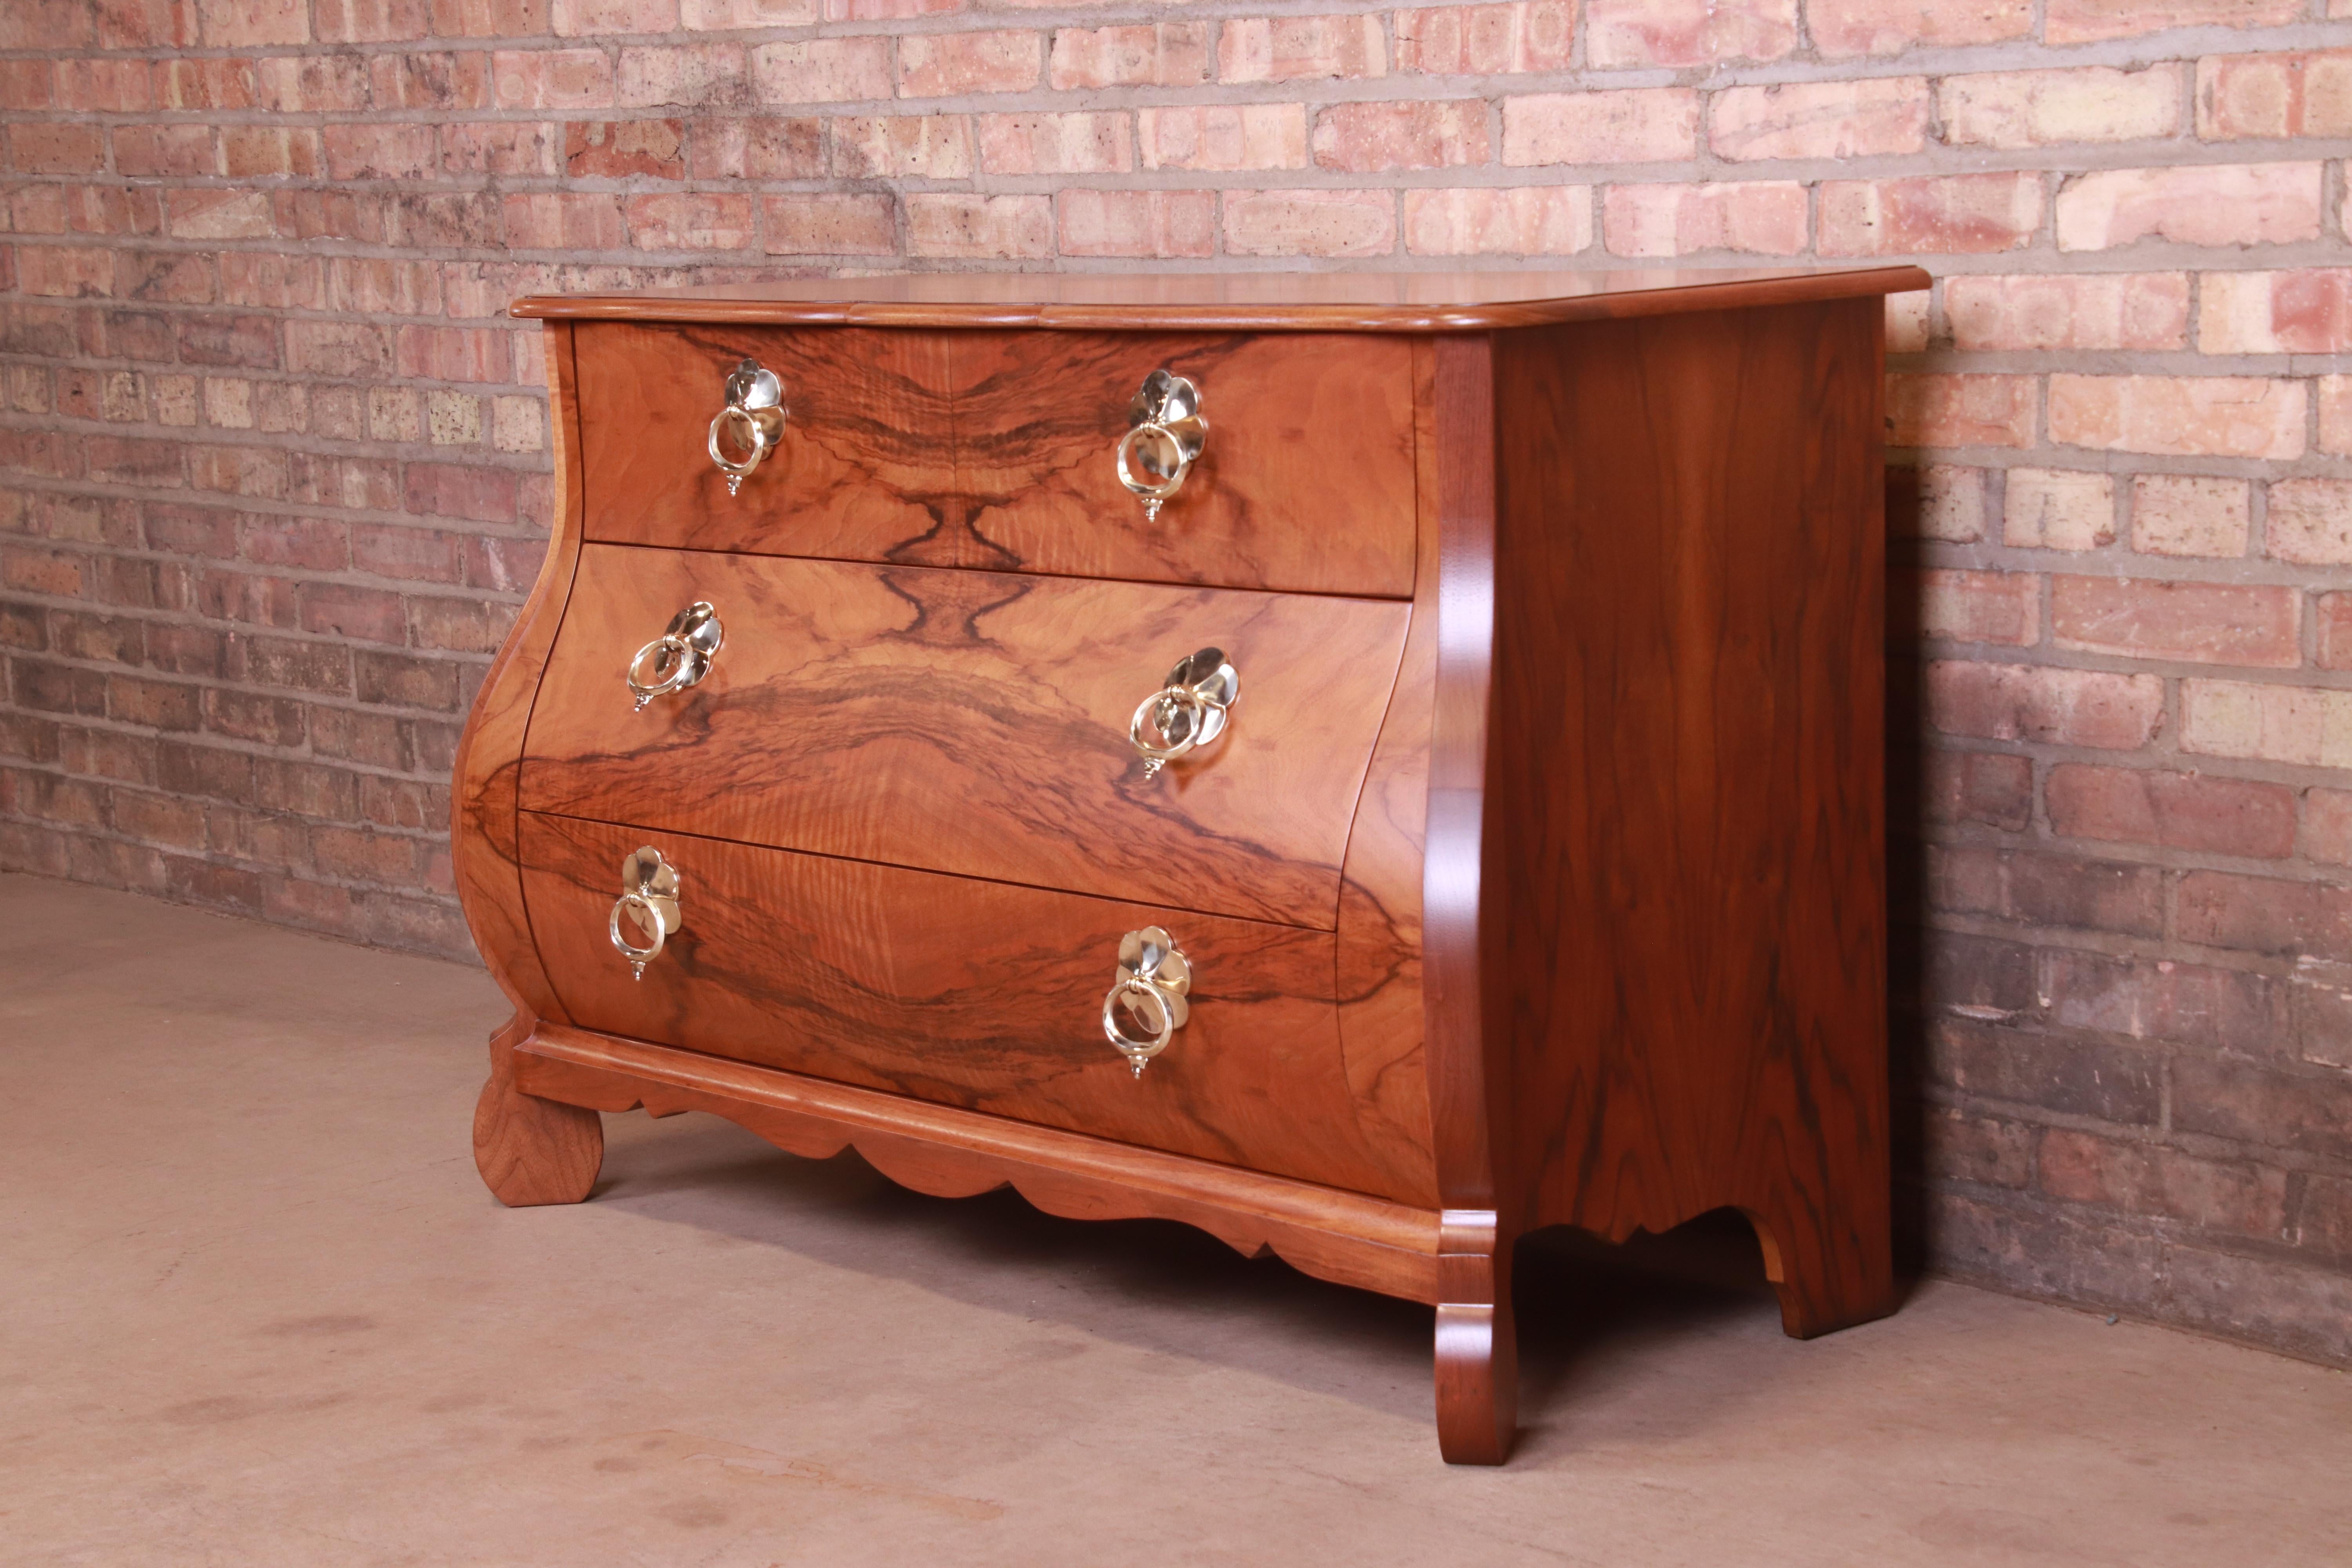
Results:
275 476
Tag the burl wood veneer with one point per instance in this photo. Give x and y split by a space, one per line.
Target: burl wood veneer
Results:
1537 876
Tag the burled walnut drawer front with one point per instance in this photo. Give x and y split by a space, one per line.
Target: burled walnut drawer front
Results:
965 993
974 722
863 471
997 450
1306 481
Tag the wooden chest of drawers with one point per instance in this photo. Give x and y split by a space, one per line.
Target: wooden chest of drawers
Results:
1367 765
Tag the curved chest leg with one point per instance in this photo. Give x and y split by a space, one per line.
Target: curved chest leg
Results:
531 1150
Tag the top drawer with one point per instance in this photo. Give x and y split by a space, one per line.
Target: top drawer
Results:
996 449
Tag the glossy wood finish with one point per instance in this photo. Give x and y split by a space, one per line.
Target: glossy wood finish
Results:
532 1151
1306 482
1687 906
974 723
966 993
997 450
1600 940
865 471
1477 1354
1342 1236
1233 301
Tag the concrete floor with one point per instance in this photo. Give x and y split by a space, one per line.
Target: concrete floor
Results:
258 1309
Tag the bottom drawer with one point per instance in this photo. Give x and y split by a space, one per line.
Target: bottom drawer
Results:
982 995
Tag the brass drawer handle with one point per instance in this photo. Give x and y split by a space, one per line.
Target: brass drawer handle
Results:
1187 712
1165 436
1154 977
649 886
752 422
680 657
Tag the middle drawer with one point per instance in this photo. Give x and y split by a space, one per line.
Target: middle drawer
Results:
972 722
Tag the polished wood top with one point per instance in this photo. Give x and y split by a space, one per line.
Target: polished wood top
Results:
1229 302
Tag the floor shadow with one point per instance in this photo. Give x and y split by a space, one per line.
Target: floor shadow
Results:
1590 1314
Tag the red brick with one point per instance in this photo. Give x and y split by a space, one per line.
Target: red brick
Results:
2311 523
1638 125
2205 204
1222 137
1368 138
65 271
822 70
471 78
1137 223
362 614
558 220
1765 217
2052 108
2274 95
219 214
214 83
1055 144
2334 613
2230 417
235 23
1524 220
985 228
1820 120
1487 41
104 86
1636 33
435 490
371 21
2088 21
1300 48
146 24
2101 310
1958 214
2176 810
616 150
2190 514
305 84
2303 311
2158 999
1938 500
721 15
1843 28
1166 54
2336 414
2303 725
606 19
2148 1179
552 78
1310 222
1961 410
2327 825
2091 708
757 149
903 146
949 65
2201 623
695 77
826 225
1979 606
1995 788
2267 915
48 147
165 152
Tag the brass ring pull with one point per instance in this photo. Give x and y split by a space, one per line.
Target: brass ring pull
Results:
680 657
649 888
1154 981
1165 436
752 422
1187 712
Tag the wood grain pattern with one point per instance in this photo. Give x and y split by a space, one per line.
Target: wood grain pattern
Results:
1469 1096
531 1150
1344 1237
965 993
865 470
974 723
1380 929
1306 482
485 779
1691 912
1234 301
